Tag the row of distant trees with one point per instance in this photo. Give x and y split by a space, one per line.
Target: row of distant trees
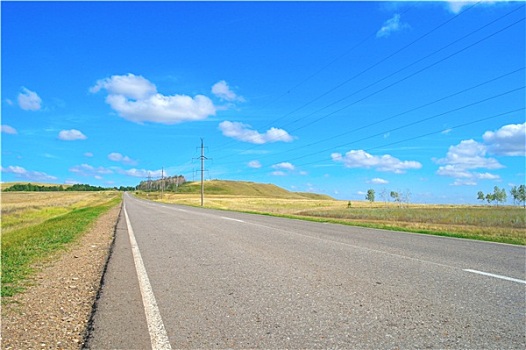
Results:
499 195
76 187
518 193
396 196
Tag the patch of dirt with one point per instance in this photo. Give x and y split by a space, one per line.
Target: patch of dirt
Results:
55 311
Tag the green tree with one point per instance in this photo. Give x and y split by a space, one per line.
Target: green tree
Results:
480 196
370 195
395 196
499 195
519 194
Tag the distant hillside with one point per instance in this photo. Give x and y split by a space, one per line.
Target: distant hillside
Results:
246 189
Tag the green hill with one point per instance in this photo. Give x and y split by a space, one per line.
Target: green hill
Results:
246 189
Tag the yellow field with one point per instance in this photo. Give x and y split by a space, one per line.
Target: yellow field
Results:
21 209
502 224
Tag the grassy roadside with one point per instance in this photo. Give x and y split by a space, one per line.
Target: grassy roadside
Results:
504 224
28 246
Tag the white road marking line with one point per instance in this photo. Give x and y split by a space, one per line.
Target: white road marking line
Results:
231 219
495 276
158 336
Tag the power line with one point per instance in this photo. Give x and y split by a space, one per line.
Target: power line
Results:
408 111
404 78
435 132
418 121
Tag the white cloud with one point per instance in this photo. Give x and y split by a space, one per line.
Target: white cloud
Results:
390 26
458 6
378 181
88 154
71 135
362 159
510 140
223 91
284 166
278 173
254 164
117 157
29 100
469 154
136 99
243 132
132 86
143 173
88 170
28 175
462 159
8 130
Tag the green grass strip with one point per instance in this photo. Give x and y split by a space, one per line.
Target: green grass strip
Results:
26 247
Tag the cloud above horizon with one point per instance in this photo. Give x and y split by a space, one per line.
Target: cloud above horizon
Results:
362 159
136 99
117 157
244 132
392 25
468 155
71 135
22 173
223 91
29 100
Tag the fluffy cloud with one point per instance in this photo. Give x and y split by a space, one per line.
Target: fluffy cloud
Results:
223 91
390 26
136 99
143 173
88 170
362 159
243 132
458 6
255 164
71 135
117 157
8 129
29 100
284 166
28 175
510 140
378 181
462 159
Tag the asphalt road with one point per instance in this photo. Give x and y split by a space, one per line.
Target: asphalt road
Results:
218 279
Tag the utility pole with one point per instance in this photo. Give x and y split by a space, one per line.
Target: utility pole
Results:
202 172
162 182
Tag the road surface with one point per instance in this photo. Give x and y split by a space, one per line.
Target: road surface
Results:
182 277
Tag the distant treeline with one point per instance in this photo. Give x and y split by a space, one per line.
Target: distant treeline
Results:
77 187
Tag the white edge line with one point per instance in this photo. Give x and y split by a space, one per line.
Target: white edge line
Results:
495 276
226 218
158 336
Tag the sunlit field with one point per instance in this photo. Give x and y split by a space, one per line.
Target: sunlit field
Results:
35 225
21 209
505 224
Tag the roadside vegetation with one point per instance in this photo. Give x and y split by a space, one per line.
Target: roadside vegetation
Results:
505 224
35 225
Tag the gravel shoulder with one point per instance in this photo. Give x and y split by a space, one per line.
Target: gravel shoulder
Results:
55 311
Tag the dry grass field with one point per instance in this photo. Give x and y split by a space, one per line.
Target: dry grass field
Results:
37 224
22 209
504 224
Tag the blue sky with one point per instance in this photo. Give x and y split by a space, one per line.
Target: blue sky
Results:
425 98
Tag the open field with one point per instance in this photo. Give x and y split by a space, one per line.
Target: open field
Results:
37 224
21 209
504 224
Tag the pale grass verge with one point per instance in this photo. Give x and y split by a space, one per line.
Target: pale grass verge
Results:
23 209
475 222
